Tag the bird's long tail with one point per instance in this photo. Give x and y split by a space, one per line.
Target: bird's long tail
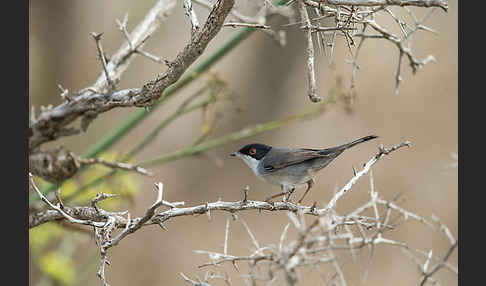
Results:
356 142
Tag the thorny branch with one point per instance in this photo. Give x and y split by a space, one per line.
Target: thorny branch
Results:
325 241
350 13
101 55
382 152
104 222
113 165
136 49
316 243
58 164
427 274
259 21
417 3
311 74
51 123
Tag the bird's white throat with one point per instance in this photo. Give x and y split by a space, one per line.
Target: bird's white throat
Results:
251 162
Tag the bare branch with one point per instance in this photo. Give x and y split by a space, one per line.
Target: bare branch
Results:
59 209
113 165
417 3
45 127
311 76
366 169
90 213
99 197
249 25
442 263
101 55
192 16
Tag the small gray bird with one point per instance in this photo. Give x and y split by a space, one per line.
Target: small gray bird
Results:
289 167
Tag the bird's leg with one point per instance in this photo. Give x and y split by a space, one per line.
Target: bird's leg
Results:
310 183
289 193
285 191
275 196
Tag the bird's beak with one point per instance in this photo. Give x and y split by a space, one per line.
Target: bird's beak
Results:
234 154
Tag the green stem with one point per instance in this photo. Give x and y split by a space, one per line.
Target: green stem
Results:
164 124
211 144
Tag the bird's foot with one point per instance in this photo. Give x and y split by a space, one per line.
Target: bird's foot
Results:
310 183
287 195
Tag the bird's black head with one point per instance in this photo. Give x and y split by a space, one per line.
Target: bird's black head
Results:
256 150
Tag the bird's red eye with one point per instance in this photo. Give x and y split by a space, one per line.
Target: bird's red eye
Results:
252 151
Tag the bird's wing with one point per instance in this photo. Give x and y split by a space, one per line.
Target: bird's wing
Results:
295 157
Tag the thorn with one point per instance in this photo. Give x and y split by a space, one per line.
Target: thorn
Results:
162 226
64 93
208 211
236 267
58 196
96 36
168 63
245 192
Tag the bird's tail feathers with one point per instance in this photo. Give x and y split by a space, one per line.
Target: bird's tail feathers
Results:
356 142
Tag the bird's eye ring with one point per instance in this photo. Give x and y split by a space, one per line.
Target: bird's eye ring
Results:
252 151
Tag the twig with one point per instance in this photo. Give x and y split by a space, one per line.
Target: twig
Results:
113 165
417 3
99 197
59 209
249 25
311 77
101 55
64 93
136 49
326 29
192 16
226 233
366 169
427 274
354 64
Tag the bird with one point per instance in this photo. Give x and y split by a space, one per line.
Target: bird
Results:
290 167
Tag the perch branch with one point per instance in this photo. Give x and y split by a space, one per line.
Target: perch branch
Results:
367 167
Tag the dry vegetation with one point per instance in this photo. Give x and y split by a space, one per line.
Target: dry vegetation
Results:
322 236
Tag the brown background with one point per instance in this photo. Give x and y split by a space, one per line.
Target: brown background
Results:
271 83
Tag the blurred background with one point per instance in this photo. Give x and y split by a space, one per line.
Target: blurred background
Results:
269 83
